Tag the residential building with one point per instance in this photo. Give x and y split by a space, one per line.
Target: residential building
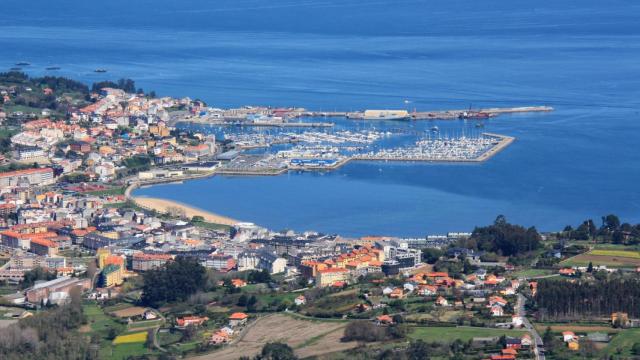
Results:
238 319
28 177
221 262
112 275
43 247
261 260
183 322
326 277
144 262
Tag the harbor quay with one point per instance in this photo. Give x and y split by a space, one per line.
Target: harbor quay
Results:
264 116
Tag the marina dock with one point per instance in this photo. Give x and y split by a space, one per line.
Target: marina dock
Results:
503 142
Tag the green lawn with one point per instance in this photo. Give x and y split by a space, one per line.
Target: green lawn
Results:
8 289
168 338
124 205
23 108
212 226
527 273
623 342
449 334
112 191
141 325
8 131
188 346
268 298
99 321
123 351
116 307
617 247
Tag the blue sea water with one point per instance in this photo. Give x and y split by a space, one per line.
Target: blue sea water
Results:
581 57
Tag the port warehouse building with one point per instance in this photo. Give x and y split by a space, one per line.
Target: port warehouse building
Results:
313 162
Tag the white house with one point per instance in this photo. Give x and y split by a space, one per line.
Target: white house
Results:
300 300
517 321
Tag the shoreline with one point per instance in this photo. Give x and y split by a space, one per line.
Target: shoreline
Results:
164 205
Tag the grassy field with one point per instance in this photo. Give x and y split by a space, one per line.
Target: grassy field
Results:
609 258
446 315
112 191
8 289
143 325
616 253
528 273
575 327
623 342
116 307
212 226
99 321
168 338
100 324
124 351
617 247
449 334
124 205
268 298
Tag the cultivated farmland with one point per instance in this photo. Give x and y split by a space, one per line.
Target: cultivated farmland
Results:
308 338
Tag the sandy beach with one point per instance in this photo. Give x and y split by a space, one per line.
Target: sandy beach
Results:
163 205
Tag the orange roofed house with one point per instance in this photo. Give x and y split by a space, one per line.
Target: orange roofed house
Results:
238 283
238 319
567 272
219 337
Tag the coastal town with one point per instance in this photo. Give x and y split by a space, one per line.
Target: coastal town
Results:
160 279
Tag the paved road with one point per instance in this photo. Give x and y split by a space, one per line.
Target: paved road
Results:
537 339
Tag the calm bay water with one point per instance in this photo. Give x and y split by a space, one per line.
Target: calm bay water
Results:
582 57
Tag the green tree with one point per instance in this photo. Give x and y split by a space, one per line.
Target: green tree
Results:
611 222
276 351
176 280
504 238
37 273
431 255
242 300
251 303
418 350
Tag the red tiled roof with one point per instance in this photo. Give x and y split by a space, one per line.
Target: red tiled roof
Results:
332 270
238 316
25 172
142 256
44 242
